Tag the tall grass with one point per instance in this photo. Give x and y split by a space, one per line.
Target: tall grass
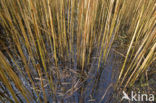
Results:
141 49
47 39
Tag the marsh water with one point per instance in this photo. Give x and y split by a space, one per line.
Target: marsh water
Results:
96 87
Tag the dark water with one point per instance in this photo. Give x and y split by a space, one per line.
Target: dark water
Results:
96 87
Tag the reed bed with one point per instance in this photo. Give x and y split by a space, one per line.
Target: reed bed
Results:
48 46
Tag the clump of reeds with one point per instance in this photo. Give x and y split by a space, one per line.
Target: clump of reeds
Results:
49 41
142 45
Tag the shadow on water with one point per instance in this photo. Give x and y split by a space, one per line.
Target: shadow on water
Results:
100 88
